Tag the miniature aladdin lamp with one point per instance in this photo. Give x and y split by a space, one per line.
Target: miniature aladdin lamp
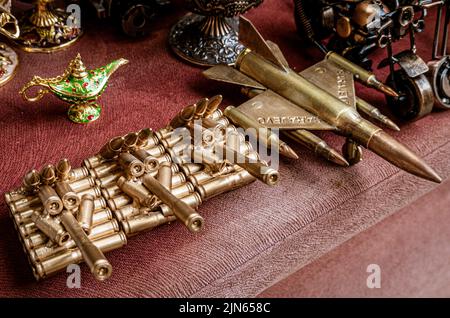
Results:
9 28
77 86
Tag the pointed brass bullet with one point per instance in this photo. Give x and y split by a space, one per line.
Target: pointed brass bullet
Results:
183 117
32 180
213 105
375 113
48 174
200 108
143 137
112 148
63 170
130 141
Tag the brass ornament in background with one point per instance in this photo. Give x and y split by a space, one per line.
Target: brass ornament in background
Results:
209 35
46 29
9 28
78 86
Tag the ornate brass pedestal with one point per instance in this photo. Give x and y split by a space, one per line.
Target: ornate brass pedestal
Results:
209 36
9 28
45 29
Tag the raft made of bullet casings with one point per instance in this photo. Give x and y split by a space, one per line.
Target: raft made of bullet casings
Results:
117 185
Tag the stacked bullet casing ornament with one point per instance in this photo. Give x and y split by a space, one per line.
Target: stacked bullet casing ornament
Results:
135 183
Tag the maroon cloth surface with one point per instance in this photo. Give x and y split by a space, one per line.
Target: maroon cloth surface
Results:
255 236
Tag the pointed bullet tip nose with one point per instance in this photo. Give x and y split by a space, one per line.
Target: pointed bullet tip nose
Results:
435 177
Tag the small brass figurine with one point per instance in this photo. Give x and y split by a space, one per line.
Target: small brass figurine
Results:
8 27
209 36
46 29
77 86
321 97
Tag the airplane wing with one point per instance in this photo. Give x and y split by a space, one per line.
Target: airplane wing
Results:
227 74
274 111
333 79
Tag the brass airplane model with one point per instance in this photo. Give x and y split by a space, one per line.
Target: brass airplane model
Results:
321 97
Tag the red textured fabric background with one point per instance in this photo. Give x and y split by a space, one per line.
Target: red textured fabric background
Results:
255 236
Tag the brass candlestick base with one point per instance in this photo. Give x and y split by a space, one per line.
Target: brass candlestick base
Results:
209 35
45 29
8 63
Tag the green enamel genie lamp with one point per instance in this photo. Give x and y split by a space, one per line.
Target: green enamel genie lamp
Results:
77 86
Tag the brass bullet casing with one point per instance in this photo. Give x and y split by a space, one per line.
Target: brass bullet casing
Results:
177 179
174 137
61 261
31 181
132 166
28 228
156 151
151 164
183 117
111 191
112 148
69 198
101 216
99 204
184 213
207 135
14 196
213 105
135 190
183 190
78 173
200 177
207 158
94 191
50 200
86 212
126 212
63 170
25 216
53 230
214 126
94 161
144 137
143 223
223 121
82 184
25 204
92 255
119 201
104 169
164 133
222 184
108 180
48 174
216 114
193 200
191 168
130 141
165 175
164 158
200 108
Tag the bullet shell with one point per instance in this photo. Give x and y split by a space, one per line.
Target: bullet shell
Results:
53 230
317 145
94 161
143 223
135 190
213 105
132 166
177 179
216 114
111 191
200 177
363 76
165 175
92 255
74 256
375 114
63 170
207 135
102 216
68 197
48 174
259 132
143 137
200 108
112 148
109 179
212 125
99 204
119 201
25 216
28 228
193 200
172 140
183 117
78 173
222 184
25 204
94 191
85 213
50 200
223 121
14 196
164 158
126 212
82 184
207 158
183 190
31 181
130 141
151 164
184 213
190 168
104 169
